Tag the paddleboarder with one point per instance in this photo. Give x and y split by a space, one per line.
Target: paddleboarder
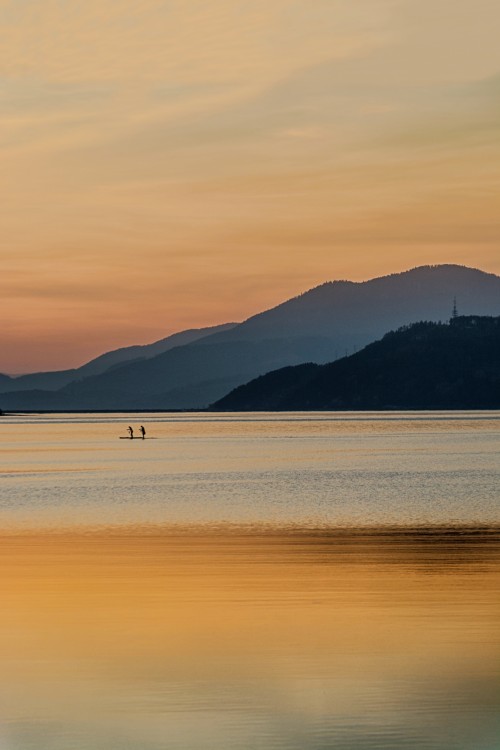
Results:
142 431
131 432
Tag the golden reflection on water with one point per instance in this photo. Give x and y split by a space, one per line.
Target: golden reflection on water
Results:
261 639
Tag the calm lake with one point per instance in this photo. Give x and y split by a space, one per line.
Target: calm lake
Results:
294 581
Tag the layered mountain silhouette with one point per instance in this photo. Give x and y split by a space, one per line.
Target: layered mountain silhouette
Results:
319 326
52 381
422 366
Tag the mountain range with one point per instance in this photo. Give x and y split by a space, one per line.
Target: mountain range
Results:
54 380
196 368
453 365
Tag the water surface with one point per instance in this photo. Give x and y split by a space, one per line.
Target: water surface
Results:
300 582
319 469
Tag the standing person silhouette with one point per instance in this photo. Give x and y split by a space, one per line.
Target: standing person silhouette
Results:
131 432
142 431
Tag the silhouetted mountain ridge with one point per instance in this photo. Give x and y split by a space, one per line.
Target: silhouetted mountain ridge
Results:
53 381
176 377
370 308
422 366
318 326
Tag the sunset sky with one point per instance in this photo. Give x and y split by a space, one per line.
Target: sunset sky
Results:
179 163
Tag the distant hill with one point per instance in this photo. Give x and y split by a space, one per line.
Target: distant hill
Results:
423 366
53 381
5 381
176 378
319 326
352 314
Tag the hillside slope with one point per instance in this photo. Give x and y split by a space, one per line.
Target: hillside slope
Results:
356 313
424 366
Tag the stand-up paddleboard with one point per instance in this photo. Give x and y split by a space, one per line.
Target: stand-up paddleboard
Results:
136 437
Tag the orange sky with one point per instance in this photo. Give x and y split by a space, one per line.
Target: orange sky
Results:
177 163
